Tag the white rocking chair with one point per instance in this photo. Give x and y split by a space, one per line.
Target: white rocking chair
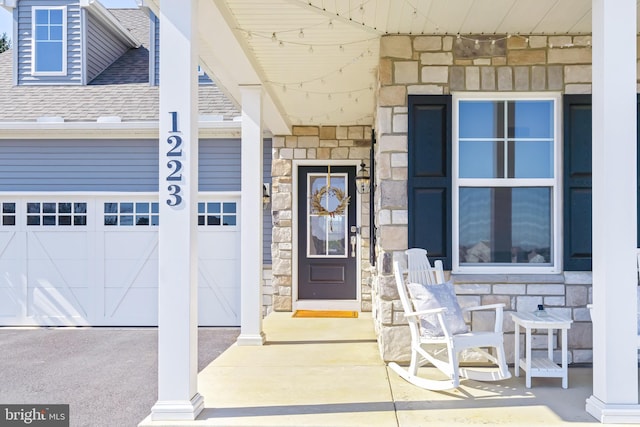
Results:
442 351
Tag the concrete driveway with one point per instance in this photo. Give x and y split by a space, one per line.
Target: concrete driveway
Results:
108 376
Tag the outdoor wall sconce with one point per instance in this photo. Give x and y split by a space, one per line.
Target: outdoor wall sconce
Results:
266 196
363 181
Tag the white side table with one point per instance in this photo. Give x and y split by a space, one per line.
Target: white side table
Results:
545 366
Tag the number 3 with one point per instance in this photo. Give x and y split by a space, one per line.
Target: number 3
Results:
174 191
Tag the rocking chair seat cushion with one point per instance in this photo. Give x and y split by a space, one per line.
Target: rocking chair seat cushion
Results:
427 297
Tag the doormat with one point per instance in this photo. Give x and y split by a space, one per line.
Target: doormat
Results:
325 313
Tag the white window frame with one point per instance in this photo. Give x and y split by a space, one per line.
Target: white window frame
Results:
555 183
34 52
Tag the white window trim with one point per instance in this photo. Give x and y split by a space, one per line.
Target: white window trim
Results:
555 183
34 72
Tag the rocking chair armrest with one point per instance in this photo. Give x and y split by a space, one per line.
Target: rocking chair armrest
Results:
423 312
484 307
499 313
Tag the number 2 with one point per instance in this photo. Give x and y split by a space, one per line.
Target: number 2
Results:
175 166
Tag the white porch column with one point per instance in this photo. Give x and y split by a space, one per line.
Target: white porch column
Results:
178 398
251 218
615 363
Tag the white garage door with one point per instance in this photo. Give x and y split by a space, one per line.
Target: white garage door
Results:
94 260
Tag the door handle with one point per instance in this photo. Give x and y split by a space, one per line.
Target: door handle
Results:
353 246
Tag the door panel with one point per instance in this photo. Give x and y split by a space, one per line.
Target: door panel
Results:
327 263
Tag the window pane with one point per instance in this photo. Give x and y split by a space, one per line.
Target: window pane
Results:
48 208
33 207
9 208
49 56
64 207
481 159
110 220
42 33
532 159
64 220
80 207
142 208
56 16
213 220
505 225
110 208
337 234
55 33
229 220
42 16
531 119
48 220
481 119
201 208
126 207
79 220
8 220
213 207
126 220
229 207
318 235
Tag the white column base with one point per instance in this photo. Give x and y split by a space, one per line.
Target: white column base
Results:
611 413
251 339
178 410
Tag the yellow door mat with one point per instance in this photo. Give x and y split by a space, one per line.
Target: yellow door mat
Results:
325 313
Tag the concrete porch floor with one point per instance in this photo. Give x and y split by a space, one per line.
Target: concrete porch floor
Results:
328 372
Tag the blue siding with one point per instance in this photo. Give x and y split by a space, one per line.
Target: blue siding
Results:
78 165
118 165
74 43
103 48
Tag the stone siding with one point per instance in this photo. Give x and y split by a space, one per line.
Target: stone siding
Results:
311 143
441 65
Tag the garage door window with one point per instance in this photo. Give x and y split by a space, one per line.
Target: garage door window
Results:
8 213
56 213
131 213
217 214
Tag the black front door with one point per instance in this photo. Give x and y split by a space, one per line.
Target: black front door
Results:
327 235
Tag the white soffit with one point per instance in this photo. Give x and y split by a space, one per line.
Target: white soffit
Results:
318 59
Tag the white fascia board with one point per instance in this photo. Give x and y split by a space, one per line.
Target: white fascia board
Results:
227 61
93 130
105 17
229 58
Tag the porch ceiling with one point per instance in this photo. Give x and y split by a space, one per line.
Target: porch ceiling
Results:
318 59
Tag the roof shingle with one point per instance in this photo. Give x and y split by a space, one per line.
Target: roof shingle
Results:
121 90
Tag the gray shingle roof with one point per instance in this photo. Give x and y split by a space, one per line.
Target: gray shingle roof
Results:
121 90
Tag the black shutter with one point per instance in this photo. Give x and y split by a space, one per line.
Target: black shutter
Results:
577 182
429 175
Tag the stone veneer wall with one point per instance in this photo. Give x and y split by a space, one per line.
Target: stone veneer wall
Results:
441 65
311 143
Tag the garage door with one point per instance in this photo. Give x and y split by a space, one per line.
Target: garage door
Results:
93 260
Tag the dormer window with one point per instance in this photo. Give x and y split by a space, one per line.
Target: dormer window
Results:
49 41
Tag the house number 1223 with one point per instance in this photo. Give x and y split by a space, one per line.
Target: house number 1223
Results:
174 166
